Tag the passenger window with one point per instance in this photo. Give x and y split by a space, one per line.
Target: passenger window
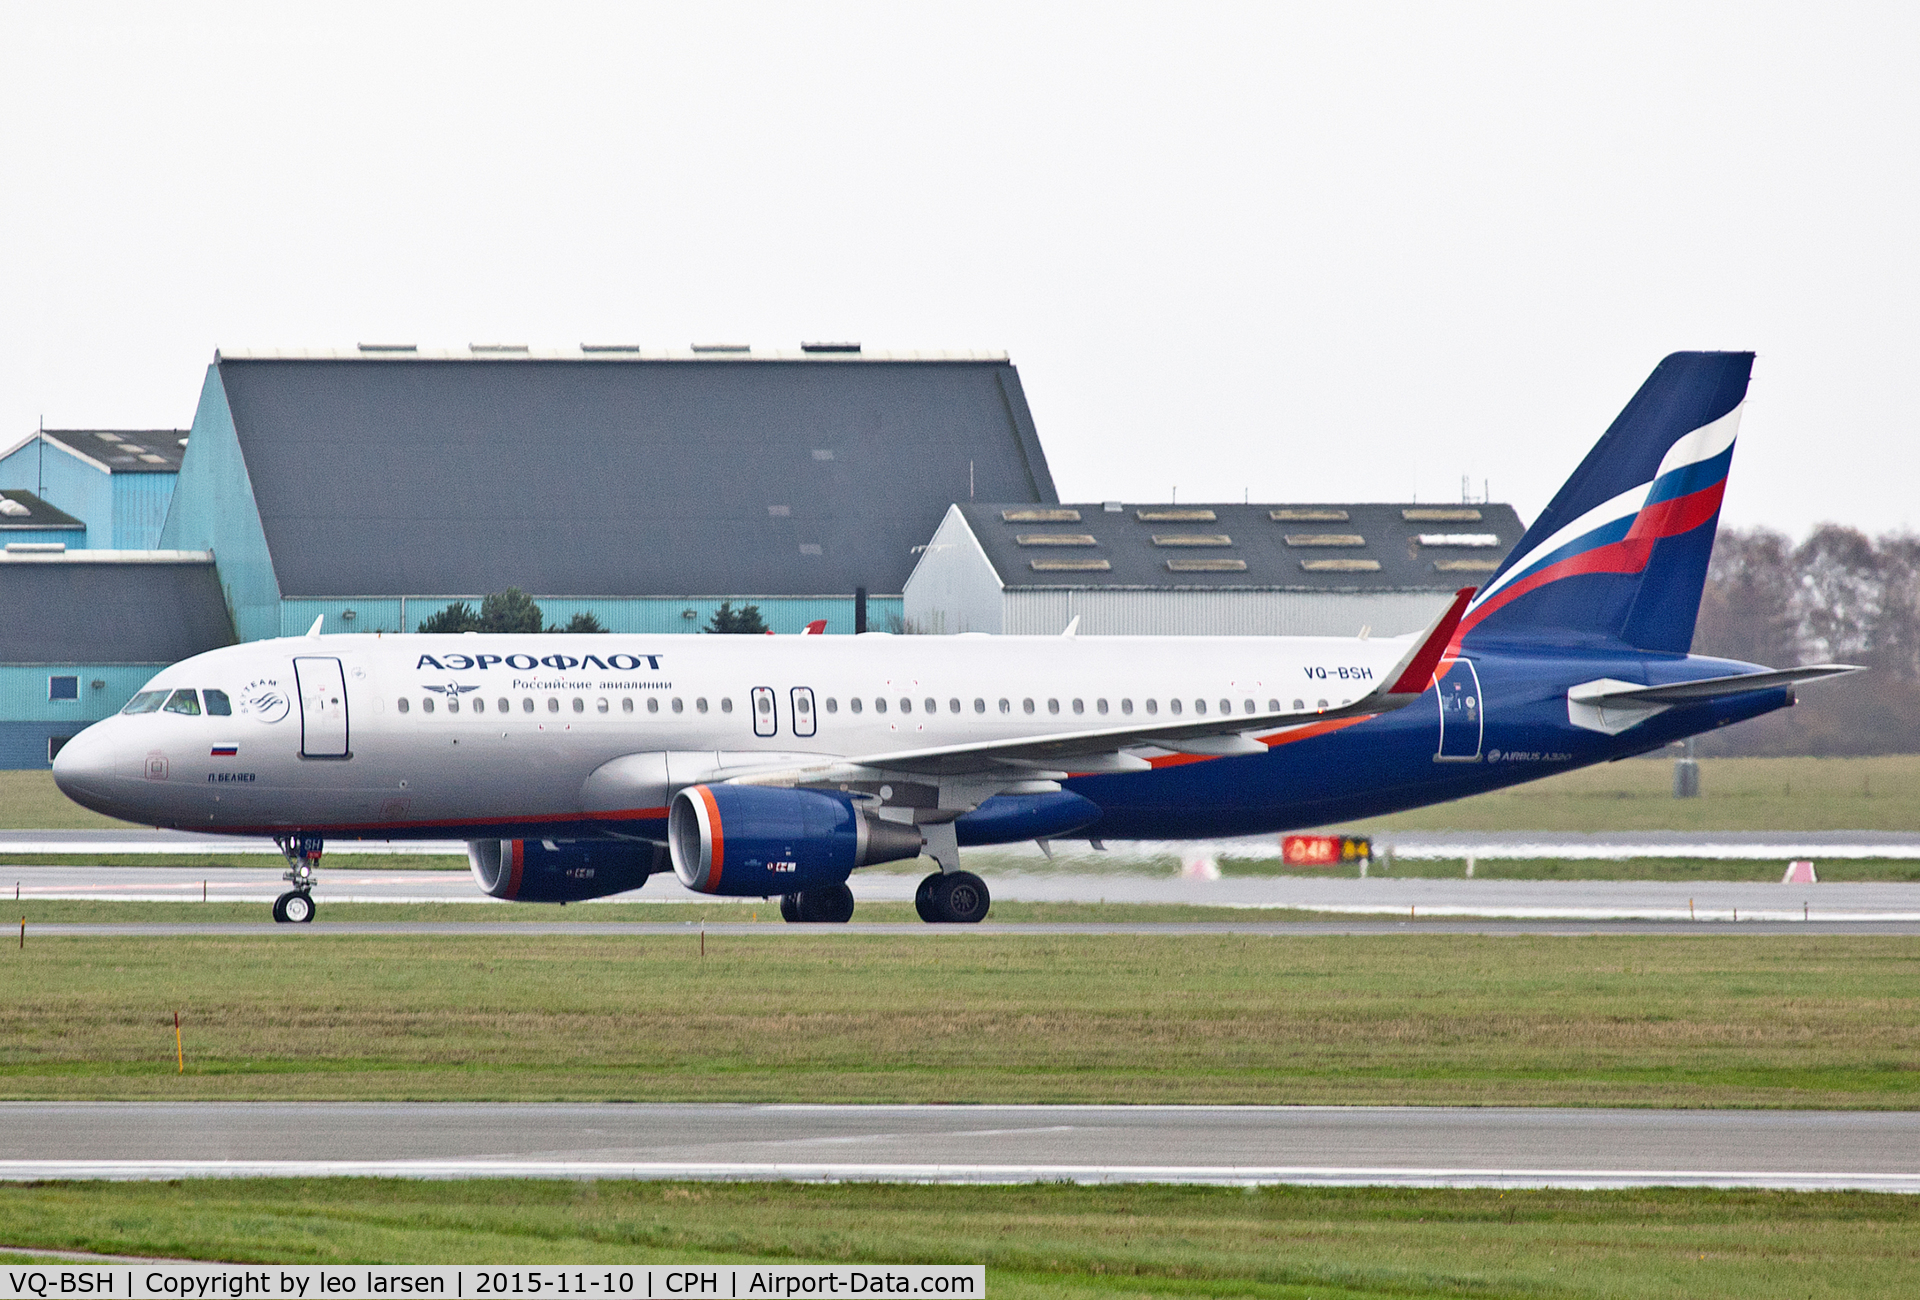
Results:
1273 706
145 702
979 705
626 704
404 706
1153 706
526 704
1026 706
1053 706
701 704
601 705
1101 705
453 704
856 704
1173 706
426 704
1199 706
679 705
802 704
1079 706
879 704
218 705
1126 706
1320 704
933 706
479 705
1299 704
726 704
186 702
653 704
833 705
503 704
953 706
1226 706
579 705
906 705
1005 707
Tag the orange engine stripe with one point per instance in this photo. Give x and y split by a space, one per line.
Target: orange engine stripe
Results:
519 865
719 840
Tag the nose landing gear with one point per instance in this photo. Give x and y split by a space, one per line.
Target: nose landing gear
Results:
303 852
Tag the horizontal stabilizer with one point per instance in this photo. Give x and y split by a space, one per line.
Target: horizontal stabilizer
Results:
1714 688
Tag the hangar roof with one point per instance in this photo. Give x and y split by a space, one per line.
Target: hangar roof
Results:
21 510
620 473
124 451
113 607
1342 547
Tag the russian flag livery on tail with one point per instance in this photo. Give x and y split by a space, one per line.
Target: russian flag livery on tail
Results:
762 766
1621 552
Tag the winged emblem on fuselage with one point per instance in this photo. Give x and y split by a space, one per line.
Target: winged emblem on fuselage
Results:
452 690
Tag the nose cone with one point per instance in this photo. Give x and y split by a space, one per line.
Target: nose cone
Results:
83 769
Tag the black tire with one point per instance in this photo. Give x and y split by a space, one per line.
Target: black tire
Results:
280 909
923 899
828 904
961 898
297 907
789 907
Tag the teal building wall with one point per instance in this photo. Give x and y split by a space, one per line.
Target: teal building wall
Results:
62 479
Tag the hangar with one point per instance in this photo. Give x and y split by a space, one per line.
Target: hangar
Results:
1202 570
375 486
117 483
85 628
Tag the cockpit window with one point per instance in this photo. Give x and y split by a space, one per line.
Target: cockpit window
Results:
184 701
145 702
217 703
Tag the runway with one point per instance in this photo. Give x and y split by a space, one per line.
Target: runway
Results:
1244 1145
1386 897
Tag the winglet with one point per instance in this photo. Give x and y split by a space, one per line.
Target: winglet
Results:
816 628
1416 671
314 631
1073 626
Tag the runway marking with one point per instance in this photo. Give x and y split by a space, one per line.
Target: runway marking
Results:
1203 1175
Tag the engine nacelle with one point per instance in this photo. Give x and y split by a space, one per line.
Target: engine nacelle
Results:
527 871
750 840
1010 818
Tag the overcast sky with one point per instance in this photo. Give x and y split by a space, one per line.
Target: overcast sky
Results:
1307 253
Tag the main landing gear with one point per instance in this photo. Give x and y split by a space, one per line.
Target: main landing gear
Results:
952 897
296 906
829 903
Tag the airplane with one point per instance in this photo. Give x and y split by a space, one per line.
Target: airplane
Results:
577 766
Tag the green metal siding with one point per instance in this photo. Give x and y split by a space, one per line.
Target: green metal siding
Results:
140 509
23 691
213 510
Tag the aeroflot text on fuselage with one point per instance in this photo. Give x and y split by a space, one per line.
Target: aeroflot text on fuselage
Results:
525 662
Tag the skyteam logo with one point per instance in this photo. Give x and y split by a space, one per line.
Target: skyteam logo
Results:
264 700
625 663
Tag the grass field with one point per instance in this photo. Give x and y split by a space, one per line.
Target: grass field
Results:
42 911
1712 1020
1052 1241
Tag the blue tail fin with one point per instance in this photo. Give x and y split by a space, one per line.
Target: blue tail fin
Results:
1620 554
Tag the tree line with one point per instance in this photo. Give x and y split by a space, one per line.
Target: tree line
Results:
1840 596
513 610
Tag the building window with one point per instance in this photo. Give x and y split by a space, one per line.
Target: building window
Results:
63 688
53 745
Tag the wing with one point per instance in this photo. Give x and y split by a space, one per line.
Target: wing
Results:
1100 749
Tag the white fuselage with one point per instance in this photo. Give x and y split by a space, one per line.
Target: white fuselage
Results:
411 734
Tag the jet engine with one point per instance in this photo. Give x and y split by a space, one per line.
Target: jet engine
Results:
752 840
565 871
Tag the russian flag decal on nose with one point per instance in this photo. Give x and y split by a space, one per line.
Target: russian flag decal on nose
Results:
225 751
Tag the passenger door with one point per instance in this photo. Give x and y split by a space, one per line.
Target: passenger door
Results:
802 711
323 708
1462 713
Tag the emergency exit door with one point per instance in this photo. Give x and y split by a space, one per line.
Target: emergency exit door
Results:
1462 713
323 708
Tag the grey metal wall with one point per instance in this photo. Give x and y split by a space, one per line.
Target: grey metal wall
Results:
1220 613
